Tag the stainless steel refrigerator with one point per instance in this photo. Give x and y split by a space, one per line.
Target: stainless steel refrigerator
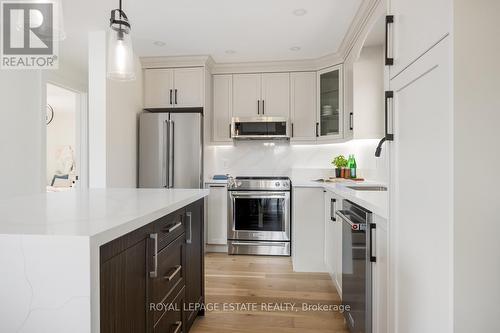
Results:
171 149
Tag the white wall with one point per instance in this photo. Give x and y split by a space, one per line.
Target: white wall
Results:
113 121
97 109
124 103
22 141
368 93
255 158
477 161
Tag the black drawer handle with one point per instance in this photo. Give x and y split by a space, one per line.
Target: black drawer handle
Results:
172 228
176 269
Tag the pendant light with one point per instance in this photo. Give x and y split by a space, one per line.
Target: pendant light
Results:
120 52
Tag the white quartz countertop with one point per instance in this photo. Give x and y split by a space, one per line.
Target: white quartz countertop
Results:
103 213
374 201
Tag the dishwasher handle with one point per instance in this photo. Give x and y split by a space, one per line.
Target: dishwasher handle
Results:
354 225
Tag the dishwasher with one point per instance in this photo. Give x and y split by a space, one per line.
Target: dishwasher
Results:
357 259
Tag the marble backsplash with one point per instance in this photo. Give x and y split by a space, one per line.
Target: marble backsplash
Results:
254 158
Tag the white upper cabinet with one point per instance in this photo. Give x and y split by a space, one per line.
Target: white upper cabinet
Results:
275 95
188 87
169 88
418 25
246 95
158 88
261 95
222 107
303 106
331 104
349 96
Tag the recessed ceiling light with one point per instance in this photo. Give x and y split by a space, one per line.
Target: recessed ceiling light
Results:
159 43
300 12
295 48
230 51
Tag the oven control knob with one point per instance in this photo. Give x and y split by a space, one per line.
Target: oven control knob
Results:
277 184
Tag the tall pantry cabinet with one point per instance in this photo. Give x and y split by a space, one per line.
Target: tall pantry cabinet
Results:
419 115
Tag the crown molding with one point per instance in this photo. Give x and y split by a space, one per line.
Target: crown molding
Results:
363 15
356 31
176 61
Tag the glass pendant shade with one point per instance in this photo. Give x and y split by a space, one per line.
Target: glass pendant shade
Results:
120 64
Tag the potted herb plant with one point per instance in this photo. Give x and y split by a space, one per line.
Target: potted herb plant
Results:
340 163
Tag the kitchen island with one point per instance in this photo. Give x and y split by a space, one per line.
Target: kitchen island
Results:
54 246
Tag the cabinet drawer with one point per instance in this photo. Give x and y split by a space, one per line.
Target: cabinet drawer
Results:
171 272
171 321
170 227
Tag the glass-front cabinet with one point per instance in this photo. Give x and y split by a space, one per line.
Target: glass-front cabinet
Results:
330 112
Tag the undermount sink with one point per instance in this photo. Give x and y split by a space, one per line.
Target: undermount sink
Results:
367 188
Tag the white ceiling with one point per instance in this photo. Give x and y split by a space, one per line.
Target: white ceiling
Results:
256 30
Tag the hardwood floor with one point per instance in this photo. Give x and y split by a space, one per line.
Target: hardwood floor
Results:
255 282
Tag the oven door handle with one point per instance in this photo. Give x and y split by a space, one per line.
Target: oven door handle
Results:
280 244
252 194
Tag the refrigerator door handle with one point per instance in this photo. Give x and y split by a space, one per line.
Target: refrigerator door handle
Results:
165 166
171 154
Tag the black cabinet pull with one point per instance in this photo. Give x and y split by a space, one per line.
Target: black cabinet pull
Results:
258 106
387 136
332 210
170 96
388 95
373 258
292 130
351 127
263 107
389 61
175 96
317 127
230 131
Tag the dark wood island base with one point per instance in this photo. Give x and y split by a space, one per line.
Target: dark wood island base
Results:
152 279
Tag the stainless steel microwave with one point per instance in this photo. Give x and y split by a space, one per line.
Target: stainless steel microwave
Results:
260 128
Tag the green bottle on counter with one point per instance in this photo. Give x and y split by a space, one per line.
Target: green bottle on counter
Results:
352 166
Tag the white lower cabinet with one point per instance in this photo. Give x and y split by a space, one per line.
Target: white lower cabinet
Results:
308 229
217 214
333 239
380 277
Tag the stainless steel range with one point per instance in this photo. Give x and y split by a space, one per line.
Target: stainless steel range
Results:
259 216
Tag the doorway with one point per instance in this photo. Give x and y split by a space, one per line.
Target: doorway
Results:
65 139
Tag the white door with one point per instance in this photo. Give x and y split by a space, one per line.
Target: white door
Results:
418 25
308 236
329 235
217 214
158 88
276 95
188 87
422 214
223 107
303 106
336 204
246 95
